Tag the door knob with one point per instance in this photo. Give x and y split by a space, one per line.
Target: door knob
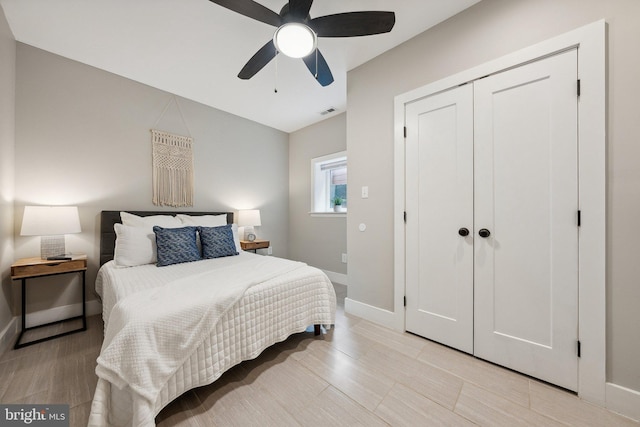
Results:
463 232
484 233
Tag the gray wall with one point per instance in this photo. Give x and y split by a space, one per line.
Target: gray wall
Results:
7 143
318 241
486 31
82 138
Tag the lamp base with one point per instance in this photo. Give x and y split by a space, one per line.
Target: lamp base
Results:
249 233
51 246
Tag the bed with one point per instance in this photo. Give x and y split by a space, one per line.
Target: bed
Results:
173 328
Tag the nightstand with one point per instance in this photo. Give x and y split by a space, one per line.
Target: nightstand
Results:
29 268
255 245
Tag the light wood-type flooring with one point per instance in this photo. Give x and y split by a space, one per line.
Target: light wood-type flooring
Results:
358 374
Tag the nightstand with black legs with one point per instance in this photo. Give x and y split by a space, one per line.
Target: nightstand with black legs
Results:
29 268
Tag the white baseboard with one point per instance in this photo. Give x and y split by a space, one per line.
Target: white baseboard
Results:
8 335
336 277
623 400
10 332
57 313
368 312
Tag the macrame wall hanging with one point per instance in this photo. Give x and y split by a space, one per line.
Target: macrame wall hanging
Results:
173 181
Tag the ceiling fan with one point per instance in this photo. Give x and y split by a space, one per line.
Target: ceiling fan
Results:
296 34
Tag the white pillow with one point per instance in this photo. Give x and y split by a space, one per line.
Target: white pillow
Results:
236 238
203 220
134 246
147 222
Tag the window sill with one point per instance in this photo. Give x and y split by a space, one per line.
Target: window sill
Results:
329 214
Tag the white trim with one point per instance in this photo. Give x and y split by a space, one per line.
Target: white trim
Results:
316 199
10 332
592 159
591 42
373 314
8 335
337 277
329 214
624 401
42 317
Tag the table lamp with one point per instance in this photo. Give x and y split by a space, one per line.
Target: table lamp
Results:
248 219
51 223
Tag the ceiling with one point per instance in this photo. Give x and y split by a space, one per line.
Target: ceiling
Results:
195 49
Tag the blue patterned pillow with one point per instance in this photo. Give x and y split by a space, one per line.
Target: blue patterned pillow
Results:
176 245
217 241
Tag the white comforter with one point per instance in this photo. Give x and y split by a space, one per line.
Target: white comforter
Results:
147 352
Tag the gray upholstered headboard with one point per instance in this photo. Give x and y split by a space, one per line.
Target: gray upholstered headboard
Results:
109 218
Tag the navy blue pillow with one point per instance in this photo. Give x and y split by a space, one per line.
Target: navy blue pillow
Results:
176 245
217 241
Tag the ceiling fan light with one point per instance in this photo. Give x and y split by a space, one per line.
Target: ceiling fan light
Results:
295 40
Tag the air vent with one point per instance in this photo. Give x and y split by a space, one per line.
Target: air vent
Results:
327 111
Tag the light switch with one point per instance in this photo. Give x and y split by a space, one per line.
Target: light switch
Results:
365 192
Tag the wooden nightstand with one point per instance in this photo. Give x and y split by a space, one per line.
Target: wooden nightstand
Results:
29 268
255 245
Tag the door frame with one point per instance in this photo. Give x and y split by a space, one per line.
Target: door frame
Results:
591 43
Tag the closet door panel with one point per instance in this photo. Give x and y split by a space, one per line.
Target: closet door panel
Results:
439 167
526 187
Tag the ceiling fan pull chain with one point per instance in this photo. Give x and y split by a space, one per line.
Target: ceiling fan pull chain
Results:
275 83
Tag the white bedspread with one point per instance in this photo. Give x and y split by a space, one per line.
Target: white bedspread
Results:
268 312
151 333
113 283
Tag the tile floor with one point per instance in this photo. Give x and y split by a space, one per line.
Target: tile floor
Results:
358 374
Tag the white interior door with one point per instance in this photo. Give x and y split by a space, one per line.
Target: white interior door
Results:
439 263
526 196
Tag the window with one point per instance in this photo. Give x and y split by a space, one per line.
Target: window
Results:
329 183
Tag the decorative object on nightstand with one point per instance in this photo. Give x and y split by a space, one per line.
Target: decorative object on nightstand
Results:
254 245
29 268
51 223
249 219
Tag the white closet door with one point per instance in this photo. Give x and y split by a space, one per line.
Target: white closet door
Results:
439 263
526 271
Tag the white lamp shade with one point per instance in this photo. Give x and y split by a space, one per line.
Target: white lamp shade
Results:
295 40
50 220
250 217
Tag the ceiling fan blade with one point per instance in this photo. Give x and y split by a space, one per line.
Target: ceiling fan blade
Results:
324 76
251 9
352 24
258 61
300 8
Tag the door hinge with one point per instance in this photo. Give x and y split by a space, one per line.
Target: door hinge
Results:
578 87
405 131
579 218
578 348
405 217
405 300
